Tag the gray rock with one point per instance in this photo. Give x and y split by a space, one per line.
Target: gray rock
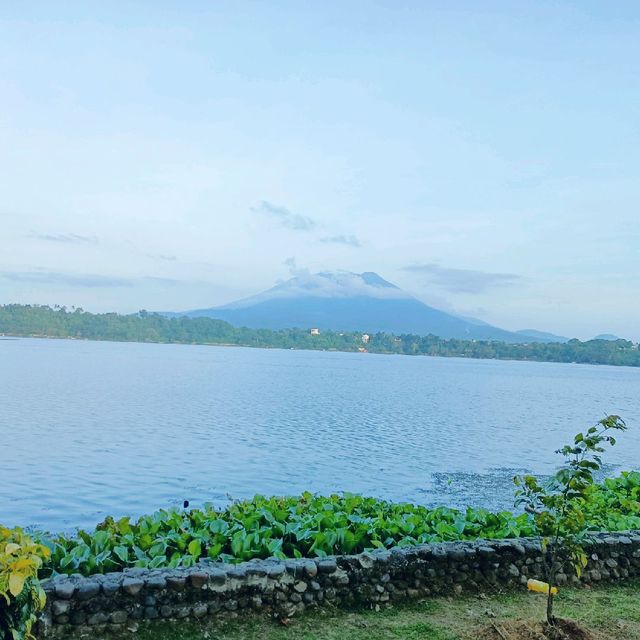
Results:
110 587
151 613
256 602
119 617
198 579
132 586
78 617
342 579
238 572
176 583
156 582
365 561
327 565
136 613
60 607
300 586
98 618
65 590
292 566
276 571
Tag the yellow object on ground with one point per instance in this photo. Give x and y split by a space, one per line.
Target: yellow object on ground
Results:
540 587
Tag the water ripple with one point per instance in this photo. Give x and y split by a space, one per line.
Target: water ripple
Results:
91 428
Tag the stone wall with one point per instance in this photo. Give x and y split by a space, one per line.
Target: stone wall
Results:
117 601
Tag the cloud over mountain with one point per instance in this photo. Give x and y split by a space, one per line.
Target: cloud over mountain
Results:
64 237
349 240
462 280
86 280
285 217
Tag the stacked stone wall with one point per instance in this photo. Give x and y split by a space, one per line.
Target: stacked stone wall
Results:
78 605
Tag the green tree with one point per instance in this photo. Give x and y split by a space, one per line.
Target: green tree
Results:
558 506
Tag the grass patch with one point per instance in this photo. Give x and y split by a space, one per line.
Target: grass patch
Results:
612 612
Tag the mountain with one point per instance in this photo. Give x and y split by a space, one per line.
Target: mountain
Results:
344 301
542 336
607 336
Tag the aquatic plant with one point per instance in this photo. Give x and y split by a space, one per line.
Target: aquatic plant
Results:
308 526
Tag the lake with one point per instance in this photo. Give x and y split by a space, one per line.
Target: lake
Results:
90 429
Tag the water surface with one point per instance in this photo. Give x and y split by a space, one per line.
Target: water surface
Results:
89 429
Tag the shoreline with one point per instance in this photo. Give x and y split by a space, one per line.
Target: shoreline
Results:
17 336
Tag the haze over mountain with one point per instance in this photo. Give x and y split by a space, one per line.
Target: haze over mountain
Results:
544 336
345 301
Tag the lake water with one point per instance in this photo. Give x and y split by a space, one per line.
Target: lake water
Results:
89 429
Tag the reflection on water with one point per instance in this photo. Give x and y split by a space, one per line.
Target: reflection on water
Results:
95 428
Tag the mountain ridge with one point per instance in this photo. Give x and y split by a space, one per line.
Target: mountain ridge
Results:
346 301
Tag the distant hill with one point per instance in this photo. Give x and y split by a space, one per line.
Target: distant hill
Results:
543 336
344 301
607 336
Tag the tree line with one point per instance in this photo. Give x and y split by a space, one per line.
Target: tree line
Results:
60 322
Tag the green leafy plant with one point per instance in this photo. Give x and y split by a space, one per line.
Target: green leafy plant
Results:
304 526
21 596
309 526
561 508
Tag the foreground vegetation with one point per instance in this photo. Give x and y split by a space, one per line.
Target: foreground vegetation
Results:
26 320
612 612
560 512
308 525
21 596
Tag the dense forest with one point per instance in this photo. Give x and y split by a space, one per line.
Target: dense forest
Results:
59 322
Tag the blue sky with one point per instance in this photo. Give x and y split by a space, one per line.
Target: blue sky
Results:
483 156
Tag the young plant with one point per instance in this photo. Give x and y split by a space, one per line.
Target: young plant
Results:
558 507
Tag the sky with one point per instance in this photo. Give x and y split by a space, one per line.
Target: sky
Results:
482 156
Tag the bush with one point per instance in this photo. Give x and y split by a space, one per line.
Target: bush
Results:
21 596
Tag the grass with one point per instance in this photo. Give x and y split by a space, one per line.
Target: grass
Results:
612 611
